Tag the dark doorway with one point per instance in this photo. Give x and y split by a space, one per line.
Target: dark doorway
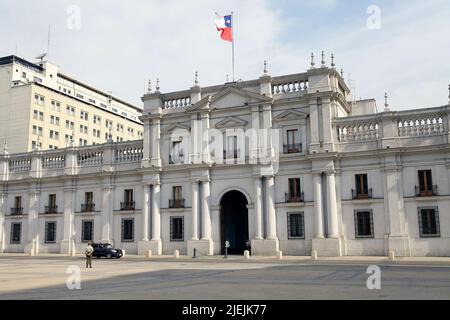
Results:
234 222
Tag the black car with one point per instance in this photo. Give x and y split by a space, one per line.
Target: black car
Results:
106 250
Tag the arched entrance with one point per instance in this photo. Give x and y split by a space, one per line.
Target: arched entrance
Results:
234 222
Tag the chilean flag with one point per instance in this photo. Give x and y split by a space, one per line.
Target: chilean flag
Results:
225 27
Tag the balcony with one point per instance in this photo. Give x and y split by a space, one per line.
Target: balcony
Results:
127 206
88 207
294 197
176 159
16 211
176 203
361 195
51 209
230 154
426 191
292 148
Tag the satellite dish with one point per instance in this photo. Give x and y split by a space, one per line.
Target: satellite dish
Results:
41 56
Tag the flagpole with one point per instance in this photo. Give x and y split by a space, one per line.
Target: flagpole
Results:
232 42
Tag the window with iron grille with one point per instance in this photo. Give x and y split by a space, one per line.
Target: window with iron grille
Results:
87 230
127 230
429 222
296 225
176 228
362 190
364 224
50 232
16 232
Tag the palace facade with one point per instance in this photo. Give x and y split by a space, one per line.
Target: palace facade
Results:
335 176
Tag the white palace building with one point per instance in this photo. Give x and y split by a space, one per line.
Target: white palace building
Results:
288 163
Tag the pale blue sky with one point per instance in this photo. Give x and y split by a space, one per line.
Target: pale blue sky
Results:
121 44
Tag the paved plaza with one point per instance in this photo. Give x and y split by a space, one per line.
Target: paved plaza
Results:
132 277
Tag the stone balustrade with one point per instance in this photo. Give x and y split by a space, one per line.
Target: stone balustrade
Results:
291 84
89 157
130 152
53 161
20 163
359 132
421 125
176 102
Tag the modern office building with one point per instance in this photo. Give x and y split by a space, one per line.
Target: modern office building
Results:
288 163
43 108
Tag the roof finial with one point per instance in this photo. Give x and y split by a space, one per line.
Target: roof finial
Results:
265 67
157 85
386 105
110 139
149 89
312 60
323 59
196 78
342 73
332 61
449 94
5 147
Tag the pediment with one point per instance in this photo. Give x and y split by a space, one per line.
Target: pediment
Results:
290 115
234 97
231 122
203 104
173 127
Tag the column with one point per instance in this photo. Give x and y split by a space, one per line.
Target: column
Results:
156 143
145 212
194 205
32 246
106 214
3 203
68 242
258 208
156 216
206 217
332 207
205 139
254 147
270 205
318 213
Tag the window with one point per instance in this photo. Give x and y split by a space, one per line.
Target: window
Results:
176 228
83 142
131 132
176 155
292 139
96 133
16 230
363 224
70 110
52 200
128 203
50 232
97 119
87 230
38 115
103 105
108 124
429 222
70 125
362 191
54 120
39 100
68 138
56 105
127 230
54 135
88 205
119 139
115 110
37 131
80 96
426 187
296 225
24 74
119 127
84 115
83 129
92 101
36 79
17 210
177 200
232 148
294 195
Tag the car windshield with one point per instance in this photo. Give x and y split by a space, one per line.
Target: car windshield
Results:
108 246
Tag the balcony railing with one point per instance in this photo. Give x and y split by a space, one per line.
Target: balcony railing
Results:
230 154
127 205
176 159
51 209
426 191
176 203
292 148
16 211
361 195
88 207
294 197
